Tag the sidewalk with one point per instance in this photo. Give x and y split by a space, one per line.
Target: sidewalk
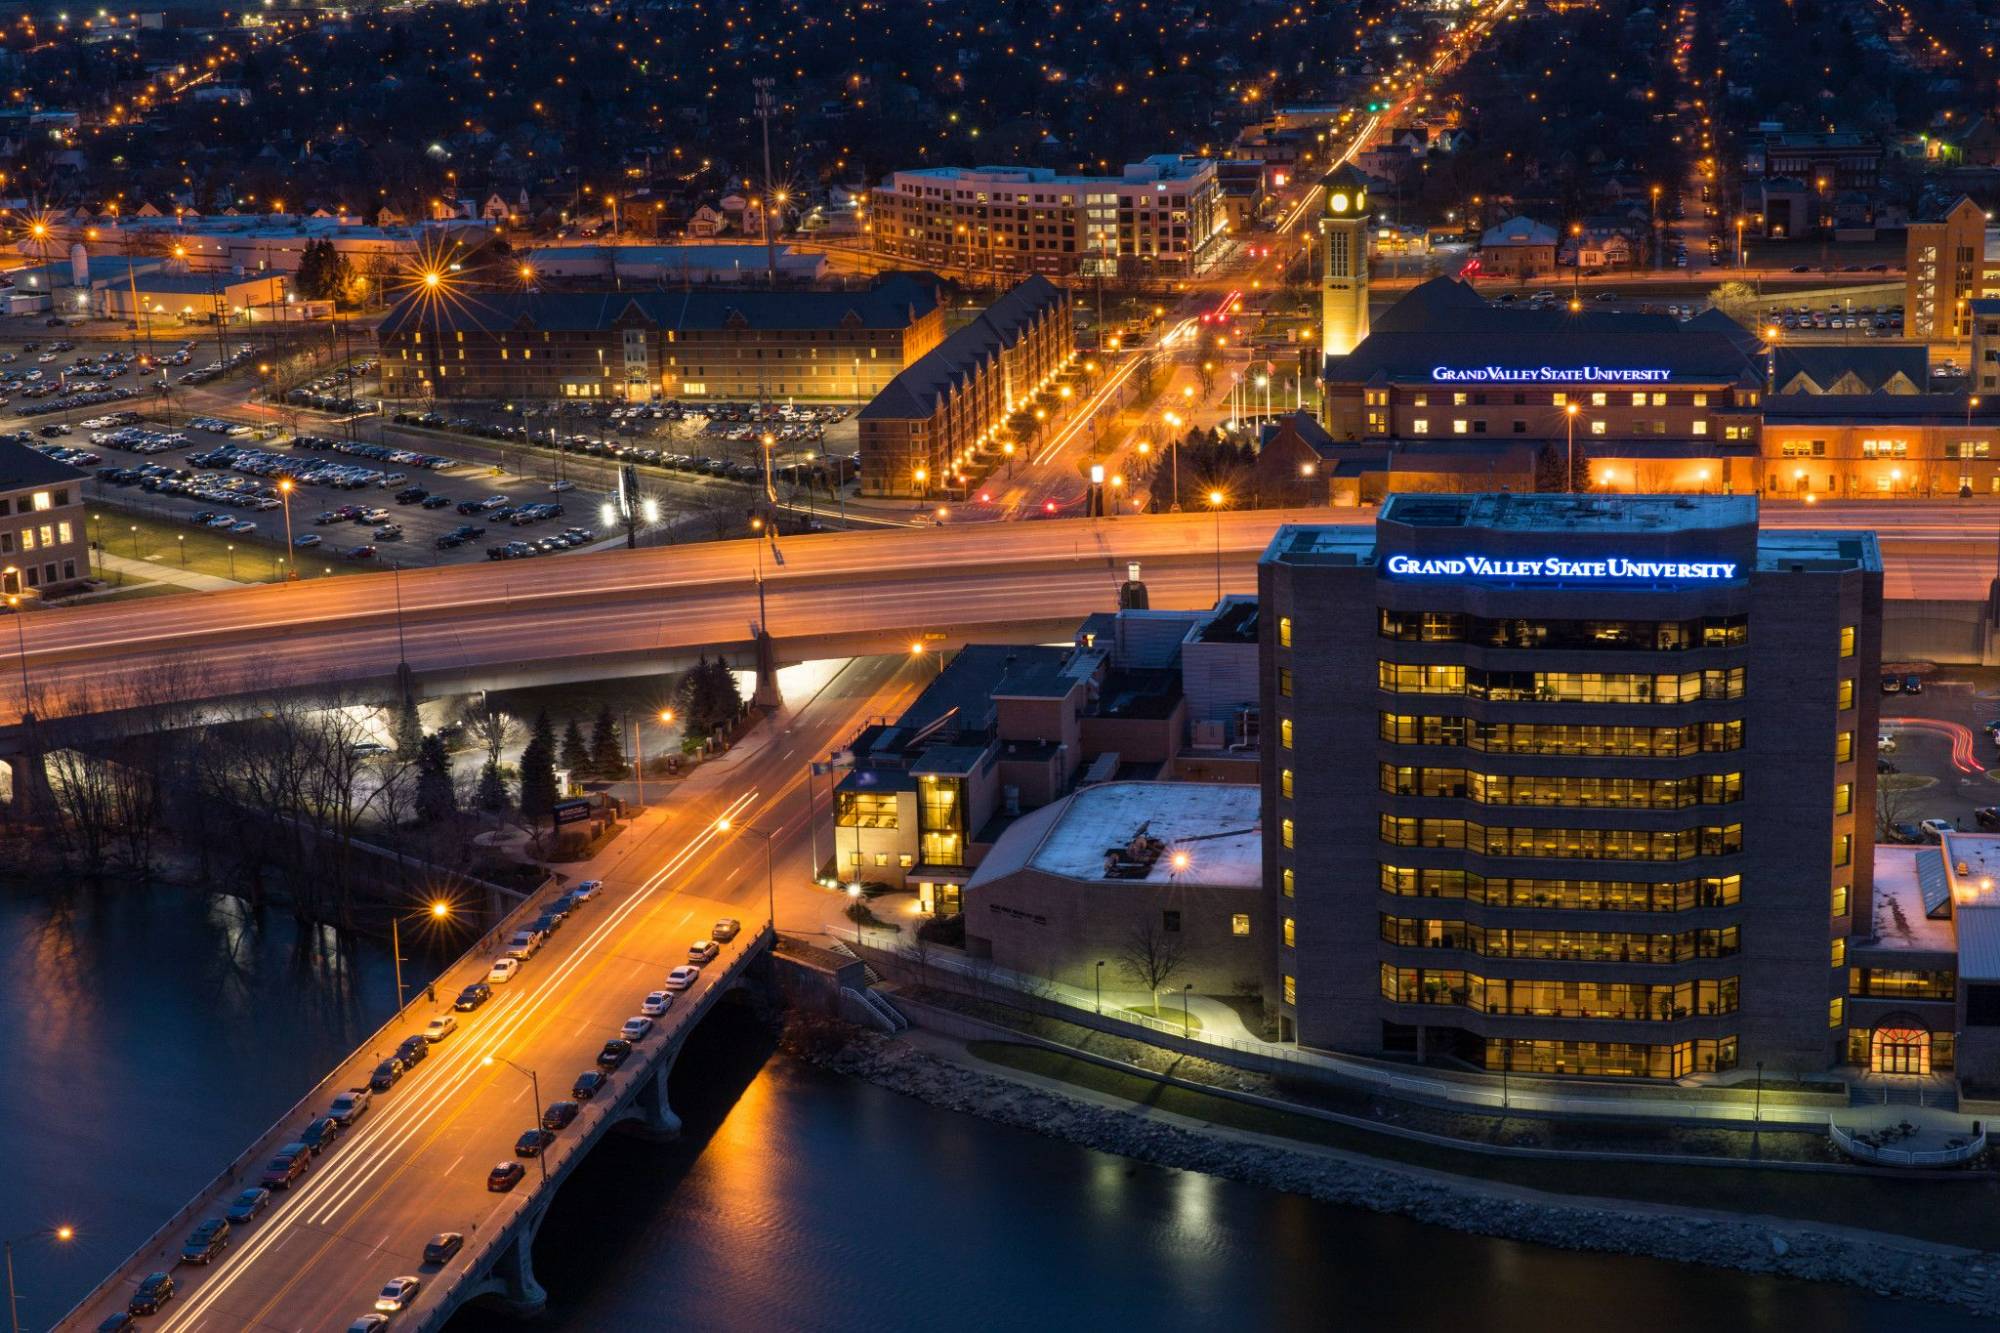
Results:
161 572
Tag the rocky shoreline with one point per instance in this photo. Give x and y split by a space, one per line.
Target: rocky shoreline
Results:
1803 1250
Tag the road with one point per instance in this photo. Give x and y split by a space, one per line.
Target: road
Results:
957 580
416 1162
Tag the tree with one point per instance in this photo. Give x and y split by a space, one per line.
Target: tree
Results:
1732 297
406 728
708 697
324 274
1152 956
538 771
437 800
1549 467
575 752
492 788
607 752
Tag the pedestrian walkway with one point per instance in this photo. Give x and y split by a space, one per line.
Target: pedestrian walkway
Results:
161 572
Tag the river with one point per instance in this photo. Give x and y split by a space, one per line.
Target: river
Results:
146 1037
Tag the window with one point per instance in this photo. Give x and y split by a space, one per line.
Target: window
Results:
1836 1011
1285 682
1286 832
1843 747
1285 733
1597 428
1239 924
1460 426
1843 849
1420 426
1847 640
1701 427
1840 900
1285 782
1846 700
1170 922
1291 933
43 500
1598 399
1843 799
1284 631
1839 951
1291 990
1701 400
1287 883
1560 400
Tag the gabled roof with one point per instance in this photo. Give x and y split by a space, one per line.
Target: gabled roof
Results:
965 353
893 302
1873 369
21 467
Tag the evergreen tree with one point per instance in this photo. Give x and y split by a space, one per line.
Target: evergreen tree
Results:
492 788
725 695
607 752
538 772
407 729
1549 467
575 753
436 798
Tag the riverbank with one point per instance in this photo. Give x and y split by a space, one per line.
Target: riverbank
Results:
943 1073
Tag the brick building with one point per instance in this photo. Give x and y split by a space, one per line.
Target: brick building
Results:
43 545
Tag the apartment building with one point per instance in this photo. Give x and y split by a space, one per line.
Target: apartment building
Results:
44 548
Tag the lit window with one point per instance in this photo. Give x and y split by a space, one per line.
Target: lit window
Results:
1285 830
1239 924
1597 428
1840 900
43 500
1284 631
1843 851
1291 990
1846 695
1460 426
1421 426
1289 884
1701 428
1285 782
1843 799
1843 747
1847 640
1598 400
1836 1011
1838 953
1291 933
1285 733
1701 400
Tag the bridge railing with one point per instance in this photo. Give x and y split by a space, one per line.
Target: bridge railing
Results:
161 1241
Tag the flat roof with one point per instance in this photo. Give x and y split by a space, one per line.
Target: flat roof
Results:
1900 920
1218 825
1509 511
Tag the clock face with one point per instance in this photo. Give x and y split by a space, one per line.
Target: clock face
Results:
1339 202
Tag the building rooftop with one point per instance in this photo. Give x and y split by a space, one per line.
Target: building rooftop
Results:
1215 825
960 698
1159 167
1901 919
1571 513
916 392
893 302
21 467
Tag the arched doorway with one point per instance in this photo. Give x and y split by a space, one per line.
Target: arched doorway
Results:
1900 1044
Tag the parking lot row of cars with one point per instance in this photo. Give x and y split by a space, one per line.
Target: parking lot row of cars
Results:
334 391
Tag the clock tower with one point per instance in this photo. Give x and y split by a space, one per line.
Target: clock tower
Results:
1343 284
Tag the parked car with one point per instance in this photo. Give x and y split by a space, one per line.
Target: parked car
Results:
288 1165
154 1291
1892 684
505 1177
525 944
532 1142
349 1105
369 1323
414 1051
247 1206
703 951
396 1293
587 1085
615 1053
206 1241
635 1029
386 1074
1913 683
503 970
440 1027
121 1322
472 997
1987 816
1935 829
557 1115
726 929
682 977
442 1247
656 1003
585 889
319 1135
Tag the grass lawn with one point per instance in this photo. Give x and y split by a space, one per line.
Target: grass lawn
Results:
1904 782
1958 1209
161 541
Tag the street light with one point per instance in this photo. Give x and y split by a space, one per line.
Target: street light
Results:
1215 502
724 825
285 487
1569 474
535 1083
917 650
1100 985
437 911
62 1234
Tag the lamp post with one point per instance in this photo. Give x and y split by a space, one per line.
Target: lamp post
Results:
1215 502
535 1084
20 640
285 493
437 911
61 1233
1100 985
724 825
1569 465
1187 1023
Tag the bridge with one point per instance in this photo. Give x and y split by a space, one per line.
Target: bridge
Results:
415 1163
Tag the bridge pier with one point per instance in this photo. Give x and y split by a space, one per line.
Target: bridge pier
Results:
514 1284
766 694
652 1115
30 797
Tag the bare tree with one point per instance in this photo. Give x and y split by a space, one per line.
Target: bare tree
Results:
1152 957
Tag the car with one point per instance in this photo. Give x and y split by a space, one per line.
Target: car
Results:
349 1105
396 1293
441 1247
1987 816
154 1291
557 1115
246 1206
525 944
1913 683
503 970
360 553
116 1323
1935 829
386 1074
206 1241
615 1053
546 924
505 1177
656 1003
289 1164
472 997
369 1323
703 951
319 1135
587 1085
436 501
311 539
532 1142
1885 743
635 1029
585 889
682 977
440 1027
1892 684
726 929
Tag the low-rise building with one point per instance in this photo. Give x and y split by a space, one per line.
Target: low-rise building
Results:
1519 247
193 297
638 346
44 548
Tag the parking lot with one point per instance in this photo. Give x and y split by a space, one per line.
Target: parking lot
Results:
1939 749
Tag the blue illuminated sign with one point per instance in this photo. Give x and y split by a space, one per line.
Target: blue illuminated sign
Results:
1614 569
1547 375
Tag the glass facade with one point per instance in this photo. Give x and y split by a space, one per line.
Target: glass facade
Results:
1555 738
1611 1059
1608 793
1589 895
1642 635
1575 946
1625 1001
941 820
1577 687
1589 844
864 809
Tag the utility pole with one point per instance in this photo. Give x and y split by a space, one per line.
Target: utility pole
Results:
766 103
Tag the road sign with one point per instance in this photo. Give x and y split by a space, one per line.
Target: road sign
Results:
571 812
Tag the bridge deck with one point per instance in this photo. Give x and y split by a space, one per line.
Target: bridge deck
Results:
415 1163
